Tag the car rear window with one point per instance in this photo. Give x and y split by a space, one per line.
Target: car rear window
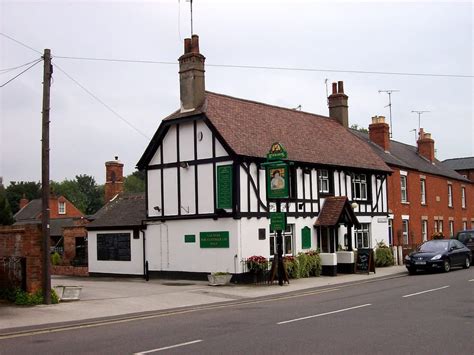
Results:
465 236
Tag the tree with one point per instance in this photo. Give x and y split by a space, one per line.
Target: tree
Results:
83 192
135 182
16 190
6 216
359 128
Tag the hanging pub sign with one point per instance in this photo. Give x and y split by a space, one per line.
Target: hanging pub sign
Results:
277 152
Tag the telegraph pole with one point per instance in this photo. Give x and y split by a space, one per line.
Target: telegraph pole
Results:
47 72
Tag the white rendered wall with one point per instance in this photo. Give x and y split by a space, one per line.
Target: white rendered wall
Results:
170 153
204 146
156 158
170 191
186 141
188 196
154 192
167 251
205 188
132 267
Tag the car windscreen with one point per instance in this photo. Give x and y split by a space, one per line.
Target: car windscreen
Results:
429 247
465 236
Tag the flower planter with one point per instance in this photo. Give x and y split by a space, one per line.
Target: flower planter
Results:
68 293
217 280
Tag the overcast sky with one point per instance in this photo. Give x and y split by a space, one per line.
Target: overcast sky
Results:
426 37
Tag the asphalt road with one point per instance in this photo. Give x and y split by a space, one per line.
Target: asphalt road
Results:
422 314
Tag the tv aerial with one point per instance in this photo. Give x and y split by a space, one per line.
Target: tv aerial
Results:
419 117
389 92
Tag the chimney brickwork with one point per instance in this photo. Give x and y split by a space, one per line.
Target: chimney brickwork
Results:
191 75
113 179
338 108
426 145
379 132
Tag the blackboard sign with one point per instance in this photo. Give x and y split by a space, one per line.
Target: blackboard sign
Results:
365 261
113 246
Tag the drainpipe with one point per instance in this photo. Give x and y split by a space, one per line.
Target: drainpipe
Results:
145 262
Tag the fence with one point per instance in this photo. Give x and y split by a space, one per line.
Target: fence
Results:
12 272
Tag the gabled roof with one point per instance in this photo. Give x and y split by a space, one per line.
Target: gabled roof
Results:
459 163
336 210
30 212
406 156
249 128
126 210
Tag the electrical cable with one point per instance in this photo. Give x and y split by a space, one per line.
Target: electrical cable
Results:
102 102
121 60
5 70
20 43
24 71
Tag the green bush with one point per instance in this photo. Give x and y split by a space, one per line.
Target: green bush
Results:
303 265
55 258
383 255
291 265
314 261
23 298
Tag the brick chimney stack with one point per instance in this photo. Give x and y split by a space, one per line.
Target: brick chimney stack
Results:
338 108
379 132
23 201
425 145
113 179
191 75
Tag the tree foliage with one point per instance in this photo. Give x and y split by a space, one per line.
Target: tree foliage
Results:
16 190
83 192
359 128
6 216
135 182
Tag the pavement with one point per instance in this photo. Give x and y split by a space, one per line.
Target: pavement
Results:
103 298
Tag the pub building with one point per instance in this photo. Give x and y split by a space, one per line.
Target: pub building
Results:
206 186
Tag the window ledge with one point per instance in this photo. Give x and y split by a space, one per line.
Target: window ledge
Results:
405 203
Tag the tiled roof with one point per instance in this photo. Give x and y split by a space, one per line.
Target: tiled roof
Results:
332 212
406 156
30 212
250 128
460 163
126 210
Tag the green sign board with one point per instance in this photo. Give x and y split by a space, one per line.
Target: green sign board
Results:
278 221
277 152
190 238
224 186
277 181
306 238
214 239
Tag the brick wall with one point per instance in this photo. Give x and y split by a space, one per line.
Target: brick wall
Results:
70 234
24 241
436 207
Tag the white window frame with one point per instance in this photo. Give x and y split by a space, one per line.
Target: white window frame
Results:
423 191
403 188
440 225
405 231
424 229
450 195
323 176
287 235
451 228
464 225
61 207
359 183
362 236
463 197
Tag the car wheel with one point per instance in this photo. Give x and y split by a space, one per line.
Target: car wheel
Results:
411 271
446 266
467 263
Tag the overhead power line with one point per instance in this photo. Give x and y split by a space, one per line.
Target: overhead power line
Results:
102 102
20 43
6 70
123 60
24 71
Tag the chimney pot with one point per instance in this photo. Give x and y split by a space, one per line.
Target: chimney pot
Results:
187 45
426 145
334 88
340 87
195 44
379 132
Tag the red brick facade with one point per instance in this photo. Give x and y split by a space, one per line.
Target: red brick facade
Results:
113 179
69 211
70 234
436 207
25 242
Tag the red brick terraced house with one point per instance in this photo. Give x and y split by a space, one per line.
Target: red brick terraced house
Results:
425 196
464 166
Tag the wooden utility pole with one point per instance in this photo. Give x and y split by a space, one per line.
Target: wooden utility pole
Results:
47 72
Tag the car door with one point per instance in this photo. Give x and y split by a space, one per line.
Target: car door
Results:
457 252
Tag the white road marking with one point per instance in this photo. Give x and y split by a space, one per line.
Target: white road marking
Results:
470 280
419 293
168 347
324 314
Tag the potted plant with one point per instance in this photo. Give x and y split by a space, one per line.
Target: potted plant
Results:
257 265
219 278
